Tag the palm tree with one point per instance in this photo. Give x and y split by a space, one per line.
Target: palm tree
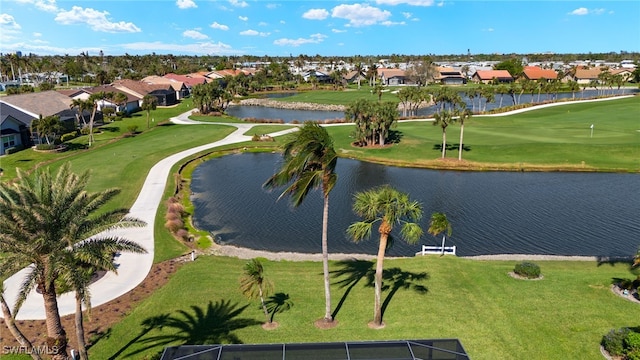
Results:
13 328
149 102
466 114
81 105
309 163
48 126
390 207
443 119
121 100
253 283
44 221
439 224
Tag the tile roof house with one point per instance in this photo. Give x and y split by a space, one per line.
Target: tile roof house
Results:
584 75
487 76
536 73
391 76
449 76
17 112
190 80
180 87
219 74
164 93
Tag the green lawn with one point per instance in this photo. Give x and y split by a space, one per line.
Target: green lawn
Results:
495 316
556 137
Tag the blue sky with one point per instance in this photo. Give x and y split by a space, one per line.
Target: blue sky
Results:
328 28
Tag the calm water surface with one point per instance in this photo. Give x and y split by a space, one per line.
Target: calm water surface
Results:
491 212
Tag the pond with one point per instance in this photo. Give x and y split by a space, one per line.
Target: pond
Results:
287 115
587 214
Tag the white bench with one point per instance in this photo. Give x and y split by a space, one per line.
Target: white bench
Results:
437 250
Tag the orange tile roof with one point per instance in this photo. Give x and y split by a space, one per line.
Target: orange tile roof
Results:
389 73
490 74
535 73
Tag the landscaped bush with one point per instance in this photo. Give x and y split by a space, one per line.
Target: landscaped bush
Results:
613 342
45 147
132 129
13 149
623 343
528 270
68 136
84 131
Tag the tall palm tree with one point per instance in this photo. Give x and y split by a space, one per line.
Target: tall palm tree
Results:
81 105
310 163
149 102
444 119
466 114
254 284
389 207
439 224
45 220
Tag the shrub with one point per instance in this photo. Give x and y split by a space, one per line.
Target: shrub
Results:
174 225
176 208
182 234
528 270
613 342
68 136
84 131
13 149
172 215
255 137
632 342
132 128
45 147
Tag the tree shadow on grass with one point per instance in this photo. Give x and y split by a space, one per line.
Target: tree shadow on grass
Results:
452 147
213 325
351 272
395 279
278 303
614 260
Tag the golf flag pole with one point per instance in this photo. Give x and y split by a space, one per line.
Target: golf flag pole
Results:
591 130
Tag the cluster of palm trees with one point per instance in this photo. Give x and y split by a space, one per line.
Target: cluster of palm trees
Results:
92 103
213 96
52 227
309 162
373 121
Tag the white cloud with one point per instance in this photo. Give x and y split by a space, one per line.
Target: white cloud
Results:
243 18
273 6
8 22
253 33
316 14
338 31
598 11
408 2
194 34
262 23
197 48
580 11
282 22
407 15
313 39
238 3
392 23
97 20
186 4
215 25
360 15
44 5
37 34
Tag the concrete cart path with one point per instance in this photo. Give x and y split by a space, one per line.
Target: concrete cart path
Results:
132 268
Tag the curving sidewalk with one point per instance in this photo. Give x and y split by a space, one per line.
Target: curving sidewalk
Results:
132 268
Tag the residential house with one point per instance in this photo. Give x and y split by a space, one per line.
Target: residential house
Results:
391 76
488 76
164 93
189 80
320 76
180 87
353 76
17 112
449 76
536 73
584 75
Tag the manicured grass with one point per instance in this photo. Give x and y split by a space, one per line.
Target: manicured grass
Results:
495 316
552 138
267 129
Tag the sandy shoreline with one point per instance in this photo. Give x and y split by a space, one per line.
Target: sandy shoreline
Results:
245 253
